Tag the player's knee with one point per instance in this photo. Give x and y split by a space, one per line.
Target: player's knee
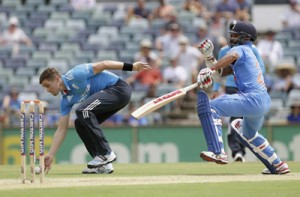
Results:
79 111
78 126
216 117
203 106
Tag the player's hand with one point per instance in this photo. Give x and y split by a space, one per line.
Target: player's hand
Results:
206 47
48 163
204 78
137 66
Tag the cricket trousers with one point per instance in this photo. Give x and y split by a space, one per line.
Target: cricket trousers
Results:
234 144
95 110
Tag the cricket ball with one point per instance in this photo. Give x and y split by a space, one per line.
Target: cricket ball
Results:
37 170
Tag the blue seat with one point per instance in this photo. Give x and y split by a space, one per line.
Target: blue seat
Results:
46 8
75 47
126 56
24 55
87 32
78 40
6 73
60 64
116 48
59 2
110 8
5 53
12 3
42 55
108 32
54 24
25 48
128 31
60 15
26 7
117 23
87 55
81 15
67 56
3 83
76 61
107 55
48 46
15 63
96 23
152 32
34 23
98 39
65 8
39 15
56 39
18 81
33 2
36 63
91 47
75 24
139 24
25 71
6 9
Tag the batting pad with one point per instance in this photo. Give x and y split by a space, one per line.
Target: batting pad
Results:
209 128
258 150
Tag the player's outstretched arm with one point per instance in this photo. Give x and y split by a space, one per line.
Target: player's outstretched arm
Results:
116 65
58 138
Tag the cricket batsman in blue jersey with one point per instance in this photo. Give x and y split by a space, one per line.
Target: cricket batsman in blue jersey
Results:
237 148
100 94
252 101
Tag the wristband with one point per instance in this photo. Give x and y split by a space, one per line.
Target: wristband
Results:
127 66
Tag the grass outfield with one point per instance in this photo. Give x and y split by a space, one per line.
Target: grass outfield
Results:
159 180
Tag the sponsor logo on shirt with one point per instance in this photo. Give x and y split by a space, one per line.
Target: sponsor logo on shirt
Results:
84 95
75 86
69 76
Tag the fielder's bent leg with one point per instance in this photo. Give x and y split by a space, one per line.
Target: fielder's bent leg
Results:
86 138
96 109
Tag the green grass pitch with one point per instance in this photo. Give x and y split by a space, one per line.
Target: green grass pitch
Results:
156 180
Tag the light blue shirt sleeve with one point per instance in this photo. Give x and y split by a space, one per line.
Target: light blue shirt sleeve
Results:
216 86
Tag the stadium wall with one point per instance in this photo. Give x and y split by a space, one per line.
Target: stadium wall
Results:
150 144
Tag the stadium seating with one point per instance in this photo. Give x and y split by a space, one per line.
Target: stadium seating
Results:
63 37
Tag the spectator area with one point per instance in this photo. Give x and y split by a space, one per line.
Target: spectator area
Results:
63 37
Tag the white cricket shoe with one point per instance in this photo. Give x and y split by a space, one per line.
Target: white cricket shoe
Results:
281 168
239 158
105 169
212 157
102 160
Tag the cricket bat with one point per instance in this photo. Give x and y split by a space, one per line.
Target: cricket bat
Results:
161 101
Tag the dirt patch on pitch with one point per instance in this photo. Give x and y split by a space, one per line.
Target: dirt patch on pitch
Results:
8 184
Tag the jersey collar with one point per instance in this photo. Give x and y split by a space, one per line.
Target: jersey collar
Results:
65 92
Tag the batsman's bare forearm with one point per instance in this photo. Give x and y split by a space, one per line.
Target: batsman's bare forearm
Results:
59 135
225 61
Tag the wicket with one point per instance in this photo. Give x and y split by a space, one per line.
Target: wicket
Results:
32 104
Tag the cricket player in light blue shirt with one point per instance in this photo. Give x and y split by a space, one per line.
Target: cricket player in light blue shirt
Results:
100 94
252 101
237 148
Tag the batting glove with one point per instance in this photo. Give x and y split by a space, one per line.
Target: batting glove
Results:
206 47
204 78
